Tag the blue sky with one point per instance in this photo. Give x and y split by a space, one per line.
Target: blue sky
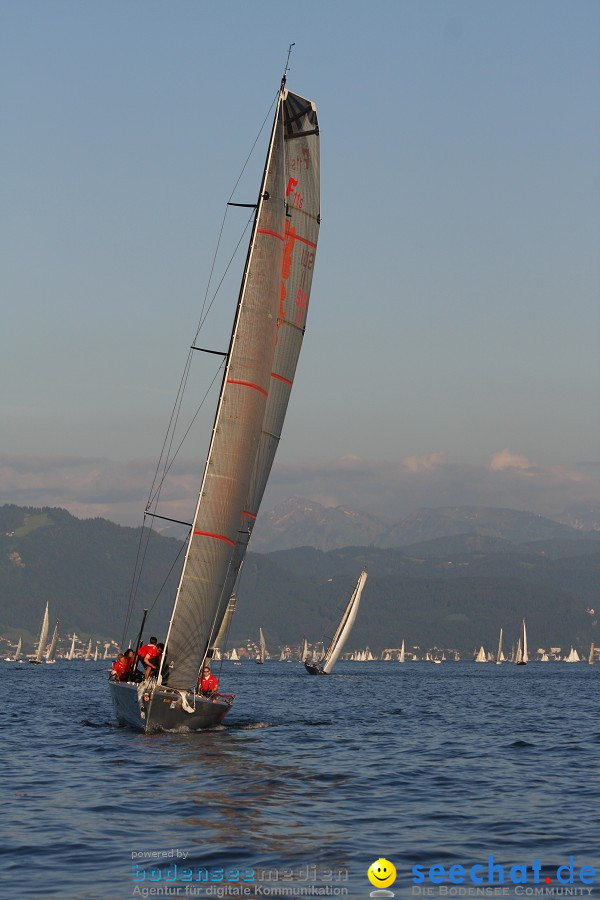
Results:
452 347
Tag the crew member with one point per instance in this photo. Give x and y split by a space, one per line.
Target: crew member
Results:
148 655
208 684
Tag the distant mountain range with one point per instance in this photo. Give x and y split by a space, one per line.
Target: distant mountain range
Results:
305 523
442 587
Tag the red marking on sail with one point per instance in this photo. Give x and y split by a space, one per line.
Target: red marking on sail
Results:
247 384
248 514
271 233
218 537
281 378
306 241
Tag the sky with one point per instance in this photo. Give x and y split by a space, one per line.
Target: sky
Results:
452 349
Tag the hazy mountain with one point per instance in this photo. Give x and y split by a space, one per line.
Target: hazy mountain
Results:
297 523
451 591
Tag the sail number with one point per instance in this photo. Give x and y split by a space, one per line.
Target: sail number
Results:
296 200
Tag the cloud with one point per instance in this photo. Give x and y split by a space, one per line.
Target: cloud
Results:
424 463
504 459
388 489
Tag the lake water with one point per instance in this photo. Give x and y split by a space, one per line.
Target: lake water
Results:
308 782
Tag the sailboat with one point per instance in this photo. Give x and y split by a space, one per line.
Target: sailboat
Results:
259 369
262 649
499 655
591 656
401 657
88 652
71 653
37 659
481 657
329 658
17 654
52 648
522 658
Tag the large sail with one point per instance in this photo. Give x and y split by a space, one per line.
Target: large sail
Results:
43 636
52 648
303 205
345 626
236 432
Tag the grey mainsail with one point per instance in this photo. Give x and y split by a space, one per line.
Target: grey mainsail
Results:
261 362
302 192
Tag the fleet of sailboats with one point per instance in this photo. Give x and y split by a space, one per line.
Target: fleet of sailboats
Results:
258 375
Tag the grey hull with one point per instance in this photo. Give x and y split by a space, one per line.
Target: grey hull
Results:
313 669
162 709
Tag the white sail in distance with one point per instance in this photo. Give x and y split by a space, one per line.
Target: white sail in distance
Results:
344 628
43 636
52 648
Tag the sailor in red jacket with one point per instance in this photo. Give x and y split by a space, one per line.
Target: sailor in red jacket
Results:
207 683
120 669
148 655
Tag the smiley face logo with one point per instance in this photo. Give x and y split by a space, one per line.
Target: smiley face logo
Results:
381 873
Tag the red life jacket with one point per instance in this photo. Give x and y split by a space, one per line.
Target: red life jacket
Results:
209 684
150 650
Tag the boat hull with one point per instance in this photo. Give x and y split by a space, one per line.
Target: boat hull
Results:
162 709
313 670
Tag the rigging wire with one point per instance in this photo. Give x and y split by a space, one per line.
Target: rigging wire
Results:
165 459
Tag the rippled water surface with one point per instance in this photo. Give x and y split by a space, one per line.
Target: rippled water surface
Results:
416 763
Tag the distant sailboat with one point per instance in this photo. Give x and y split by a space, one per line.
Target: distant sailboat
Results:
88 652
262 650
522 657
591 657
573 656
401 657
37 659
17 654
329 658
71 654
221 638
499 655
481 657
52 648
